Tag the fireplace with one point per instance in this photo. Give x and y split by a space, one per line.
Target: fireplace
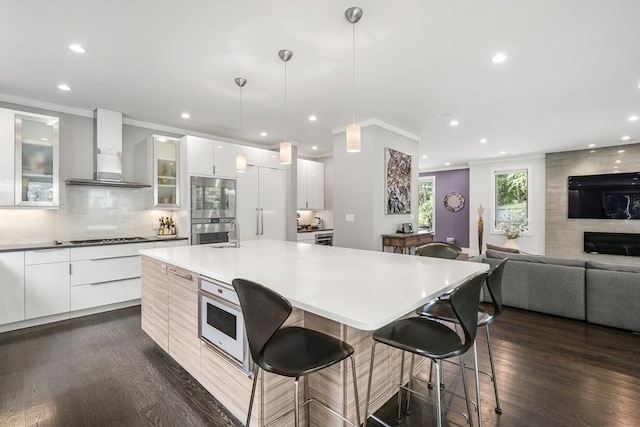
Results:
612 243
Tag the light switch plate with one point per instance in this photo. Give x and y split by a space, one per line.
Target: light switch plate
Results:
350 218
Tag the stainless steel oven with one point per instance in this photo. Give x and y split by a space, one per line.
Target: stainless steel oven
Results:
221 322
213 209
325 239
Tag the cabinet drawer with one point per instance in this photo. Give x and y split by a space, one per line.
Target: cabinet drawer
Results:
104 270
46 256
88 296
108 251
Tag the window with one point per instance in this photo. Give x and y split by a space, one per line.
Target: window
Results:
510 210
426 196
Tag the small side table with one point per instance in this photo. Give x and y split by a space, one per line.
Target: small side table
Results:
402 242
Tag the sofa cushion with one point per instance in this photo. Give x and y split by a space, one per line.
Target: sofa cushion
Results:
594 265
539 259
502 249
613 295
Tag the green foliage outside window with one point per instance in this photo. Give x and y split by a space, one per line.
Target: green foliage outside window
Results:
512 200
425 202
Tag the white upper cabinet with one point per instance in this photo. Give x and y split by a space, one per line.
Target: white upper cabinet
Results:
206 157
260 157
29 173
157 160
310 185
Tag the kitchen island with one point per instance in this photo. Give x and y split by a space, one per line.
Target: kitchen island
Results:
346 293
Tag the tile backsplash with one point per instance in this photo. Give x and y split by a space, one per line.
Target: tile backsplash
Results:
85 213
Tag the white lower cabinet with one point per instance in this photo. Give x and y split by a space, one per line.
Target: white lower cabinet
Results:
46 282
102 275
11 287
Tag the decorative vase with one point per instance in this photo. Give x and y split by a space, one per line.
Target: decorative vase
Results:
511 243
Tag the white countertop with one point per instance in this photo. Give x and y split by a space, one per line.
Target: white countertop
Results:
362 289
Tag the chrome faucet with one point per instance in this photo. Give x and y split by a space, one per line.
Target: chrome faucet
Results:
234 222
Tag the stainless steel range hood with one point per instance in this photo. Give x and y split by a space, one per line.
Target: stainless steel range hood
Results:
107 152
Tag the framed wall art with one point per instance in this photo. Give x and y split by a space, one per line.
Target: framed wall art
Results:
398 179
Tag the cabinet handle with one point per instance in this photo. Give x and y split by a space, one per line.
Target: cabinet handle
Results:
257 223
262 221
214 169
179 274
111 281
45 250
69 269
307 203
113 257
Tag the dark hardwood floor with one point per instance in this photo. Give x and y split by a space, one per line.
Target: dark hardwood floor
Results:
102 370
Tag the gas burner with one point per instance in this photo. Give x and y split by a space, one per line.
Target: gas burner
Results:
108 241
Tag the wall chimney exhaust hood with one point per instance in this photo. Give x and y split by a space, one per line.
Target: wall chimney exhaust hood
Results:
107 152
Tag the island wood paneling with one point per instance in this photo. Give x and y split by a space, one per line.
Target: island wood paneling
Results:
155 306
184 343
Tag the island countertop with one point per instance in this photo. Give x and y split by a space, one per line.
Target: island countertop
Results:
360 288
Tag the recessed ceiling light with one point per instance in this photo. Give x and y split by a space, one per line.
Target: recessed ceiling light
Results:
483 141
77 48
634 118
447 164
454 123
186 115
312 118
625 138
425 156
263 134
64 87
503 152
592 151
620 151
315 147
498 58
591 145
44 139
618 161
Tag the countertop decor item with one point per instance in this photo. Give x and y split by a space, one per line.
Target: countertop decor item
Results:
454 201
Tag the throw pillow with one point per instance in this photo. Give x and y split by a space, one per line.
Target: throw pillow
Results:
502 249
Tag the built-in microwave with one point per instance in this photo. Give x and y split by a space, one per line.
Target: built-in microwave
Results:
221 323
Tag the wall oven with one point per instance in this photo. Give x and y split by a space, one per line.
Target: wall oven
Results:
221 322
213 208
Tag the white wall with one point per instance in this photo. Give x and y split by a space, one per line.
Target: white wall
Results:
359 188
480 185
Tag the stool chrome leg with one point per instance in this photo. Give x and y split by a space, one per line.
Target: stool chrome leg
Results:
355 390
296 400
408 409
466 391
475 362
366 406
398 415
438 403
493 372
256 370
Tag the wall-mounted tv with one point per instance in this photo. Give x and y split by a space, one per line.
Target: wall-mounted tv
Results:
607 196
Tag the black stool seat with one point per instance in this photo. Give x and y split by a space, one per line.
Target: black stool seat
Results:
411 335
295 352
442 310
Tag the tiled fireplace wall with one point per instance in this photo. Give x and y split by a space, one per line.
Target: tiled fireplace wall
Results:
564 236
84 213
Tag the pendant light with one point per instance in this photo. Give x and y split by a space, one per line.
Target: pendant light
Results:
353 15
285 146
241 160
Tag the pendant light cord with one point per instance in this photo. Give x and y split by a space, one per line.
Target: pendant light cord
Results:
285 101
354 73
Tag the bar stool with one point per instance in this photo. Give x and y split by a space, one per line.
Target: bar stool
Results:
441 309
439 250
425 337
291 351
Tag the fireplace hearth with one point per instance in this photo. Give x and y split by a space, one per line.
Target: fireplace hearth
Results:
612 243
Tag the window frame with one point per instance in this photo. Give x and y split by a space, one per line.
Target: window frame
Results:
530 196
426 178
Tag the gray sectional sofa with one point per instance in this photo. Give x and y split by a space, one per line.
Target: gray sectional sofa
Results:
600 293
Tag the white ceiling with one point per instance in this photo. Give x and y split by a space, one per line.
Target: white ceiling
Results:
571 77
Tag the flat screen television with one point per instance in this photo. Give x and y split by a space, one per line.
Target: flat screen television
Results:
607 196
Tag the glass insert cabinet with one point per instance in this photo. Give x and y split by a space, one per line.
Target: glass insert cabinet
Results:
157 162
36 174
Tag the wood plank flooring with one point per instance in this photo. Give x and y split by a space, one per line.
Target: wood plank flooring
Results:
102 370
